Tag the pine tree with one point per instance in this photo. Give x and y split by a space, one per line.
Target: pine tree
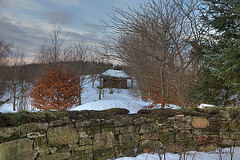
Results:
56 90
222 45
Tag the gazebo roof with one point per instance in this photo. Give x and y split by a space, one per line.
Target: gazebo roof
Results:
115 73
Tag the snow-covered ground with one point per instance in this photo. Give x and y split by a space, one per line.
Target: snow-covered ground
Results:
121 98
224 154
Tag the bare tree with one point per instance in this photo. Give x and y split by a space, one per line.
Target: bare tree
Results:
5 50
16 59
52 49
155 43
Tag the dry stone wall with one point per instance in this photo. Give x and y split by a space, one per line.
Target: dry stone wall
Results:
100 138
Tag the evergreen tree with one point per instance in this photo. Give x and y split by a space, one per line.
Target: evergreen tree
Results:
221 21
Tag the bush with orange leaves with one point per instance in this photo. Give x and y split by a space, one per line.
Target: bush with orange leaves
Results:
56 90
161 94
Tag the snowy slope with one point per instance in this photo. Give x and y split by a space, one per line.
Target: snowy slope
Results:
121 98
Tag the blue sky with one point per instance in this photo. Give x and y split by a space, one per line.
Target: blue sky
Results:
26 22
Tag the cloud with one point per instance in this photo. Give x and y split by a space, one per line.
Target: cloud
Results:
92 30
63 16
74 37
65 2
20 4
24 38
91 26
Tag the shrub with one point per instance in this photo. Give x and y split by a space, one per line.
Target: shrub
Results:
56 90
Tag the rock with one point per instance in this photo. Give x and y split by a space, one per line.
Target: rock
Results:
207 147
167 138
200 122
182 126
104 140
128 140
82 153
65 135
204 139
26 128
42 126
85 141
17 150
85 123
56 123
9 133
58 156
233 135
138 120
174 148
128 129
234 125
150 144
53 149
147 127
122 121
151 136
103 154
34 135
183 134
83 134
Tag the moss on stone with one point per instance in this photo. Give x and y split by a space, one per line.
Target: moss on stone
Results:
167 138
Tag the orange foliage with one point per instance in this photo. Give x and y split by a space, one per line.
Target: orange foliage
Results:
156 95
56 90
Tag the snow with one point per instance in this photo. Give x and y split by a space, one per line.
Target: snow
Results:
115 73
7 108
195 155
121 98
132 106
206 105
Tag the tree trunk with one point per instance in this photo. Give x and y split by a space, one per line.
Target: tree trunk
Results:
100 87
14 96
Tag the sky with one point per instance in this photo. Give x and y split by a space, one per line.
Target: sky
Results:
26 22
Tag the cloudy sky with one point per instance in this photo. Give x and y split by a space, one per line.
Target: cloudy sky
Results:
26 22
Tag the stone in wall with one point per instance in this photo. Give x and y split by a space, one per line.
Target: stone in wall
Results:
128 140
103 154
64 135
147 127
85 141
128 129
150 144
200 122
234 125
152 136
167 138
122 121
8 133
205 139
104 140
234 135
183 134
82 154
58 156
207 147
17 150
174 148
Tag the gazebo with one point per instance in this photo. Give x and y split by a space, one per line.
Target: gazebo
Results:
114 79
